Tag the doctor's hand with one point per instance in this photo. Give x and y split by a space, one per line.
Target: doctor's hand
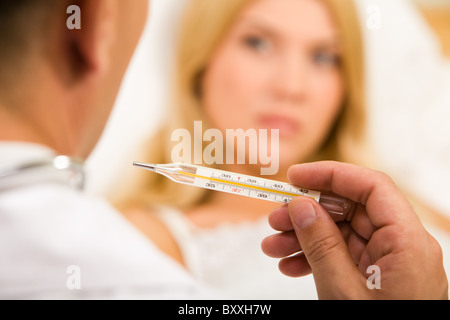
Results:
379 251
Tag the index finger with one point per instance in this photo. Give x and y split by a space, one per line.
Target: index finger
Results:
384 202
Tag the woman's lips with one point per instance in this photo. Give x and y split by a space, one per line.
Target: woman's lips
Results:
287 126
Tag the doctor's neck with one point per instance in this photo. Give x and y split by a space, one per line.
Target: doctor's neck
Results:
31 110
20 128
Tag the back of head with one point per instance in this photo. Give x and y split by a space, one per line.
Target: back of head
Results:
58 84
23 23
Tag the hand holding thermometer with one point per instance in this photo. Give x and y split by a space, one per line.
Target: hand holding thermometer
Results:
244 185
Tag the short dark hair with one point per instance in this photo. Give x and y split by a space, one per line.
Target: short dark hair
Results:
22 24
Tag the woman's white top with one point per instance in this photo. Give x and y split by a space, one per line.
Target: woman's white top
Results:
229 259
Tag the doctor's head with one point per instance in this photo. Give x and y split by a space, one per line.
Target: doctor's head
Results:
61 66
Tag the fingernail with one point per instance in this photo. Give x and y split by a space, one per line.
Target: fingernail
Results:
302 214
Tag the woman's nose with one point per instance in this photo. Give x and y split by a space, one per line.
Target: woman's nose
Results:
291 78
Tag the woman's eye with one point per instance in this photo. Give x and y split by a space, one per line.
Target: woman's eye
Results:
326 59
257 43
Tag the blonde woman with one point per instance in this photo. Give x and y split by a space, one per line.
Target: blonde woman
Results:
291 65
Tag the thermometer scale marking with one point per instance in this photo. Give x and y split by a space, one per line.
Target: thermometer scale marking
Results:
255 187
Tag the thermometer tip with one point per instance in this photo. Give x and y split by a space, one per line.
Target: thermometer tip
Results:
147 166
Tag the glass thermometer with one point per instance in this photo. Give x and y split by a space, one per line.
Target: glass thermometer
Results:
244 185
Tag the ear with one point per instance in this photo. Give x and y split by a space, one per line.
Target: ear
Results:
88 43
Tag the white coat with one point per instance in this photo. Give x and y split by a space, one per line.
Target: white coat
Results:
58 243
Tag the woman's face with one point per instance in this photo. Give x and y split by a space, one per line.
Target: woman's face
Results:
278 67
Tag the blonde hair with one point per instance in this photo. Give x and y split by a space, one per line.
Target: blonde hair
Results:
203 27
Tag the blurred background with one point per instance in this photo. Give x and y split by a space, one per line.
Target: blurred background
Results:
408 77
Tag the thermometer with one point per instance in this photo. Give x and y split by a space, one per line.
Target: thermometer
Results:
244 185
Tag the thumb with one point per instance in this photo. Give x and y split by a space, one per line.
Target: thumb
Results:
325 250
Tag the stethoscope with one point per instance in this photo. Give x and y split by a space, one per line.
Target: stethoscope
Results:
60 169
